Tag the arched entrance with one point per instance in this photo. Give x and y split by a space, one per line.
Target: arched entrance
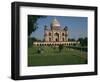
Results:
56 35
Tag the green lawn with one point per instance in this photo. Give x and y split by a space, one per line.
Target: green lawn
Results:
52 56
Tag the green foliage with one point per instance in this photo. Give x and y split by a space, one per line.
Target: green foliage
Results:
31 40
71 39
40 50
32 23
83 41
60 48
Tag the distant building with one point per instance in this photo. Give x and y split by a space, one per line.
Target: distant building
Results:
55 35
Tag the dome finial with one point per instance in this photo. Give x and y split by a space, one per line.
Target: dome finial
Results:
55 24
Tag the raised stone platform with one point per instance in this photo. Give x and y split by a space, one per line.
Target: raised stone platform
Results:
55 43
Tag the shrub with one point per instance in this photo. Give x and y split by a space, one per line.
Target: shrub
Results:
60 48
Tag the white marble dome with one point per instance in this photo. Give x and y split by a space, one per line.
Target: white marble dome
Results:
55 23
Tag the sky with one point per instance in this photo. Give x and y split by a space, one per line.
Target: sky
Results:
77 26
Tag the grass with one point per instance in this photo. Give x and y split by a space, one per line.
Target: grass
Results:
52 56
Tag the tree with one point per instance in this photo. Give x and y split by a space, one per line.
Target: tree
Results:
60 48
83 41
32 23
31 40
71 39
32 26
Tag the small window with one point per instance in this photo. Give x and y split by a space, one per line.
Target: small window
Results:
62 39
49 34
62 34
49 39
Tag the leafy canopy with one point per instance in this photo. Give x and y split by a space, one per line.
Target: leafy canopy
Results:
32 23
